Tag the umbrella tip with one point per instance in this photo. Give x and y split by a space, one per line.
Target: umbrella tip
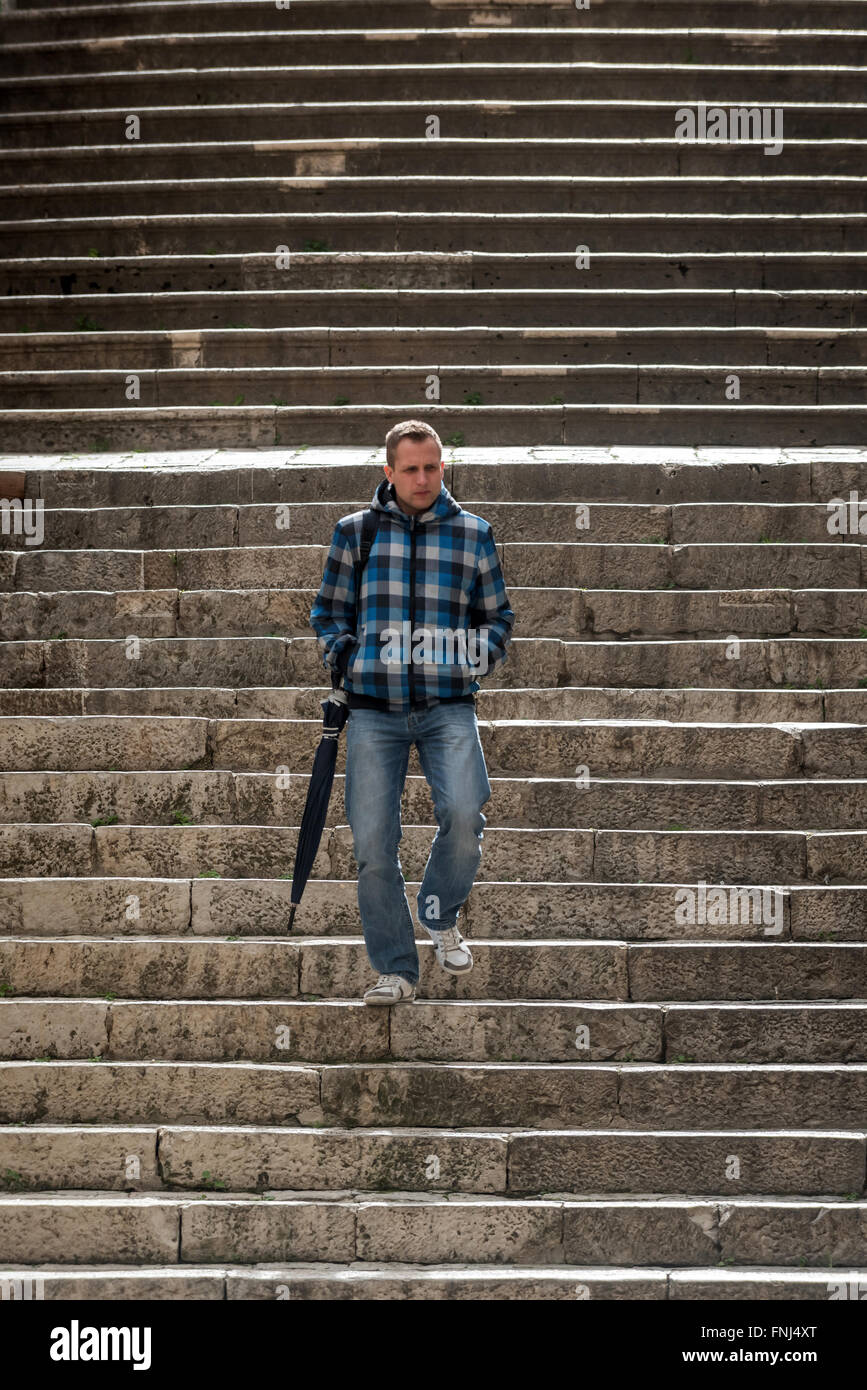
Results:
291 916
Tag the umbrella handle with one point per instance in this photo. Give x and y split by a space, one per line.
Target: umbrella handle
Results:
328 731
337 697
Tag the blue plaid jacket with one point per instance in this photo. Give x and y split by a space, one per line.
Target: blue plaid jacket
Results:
434 611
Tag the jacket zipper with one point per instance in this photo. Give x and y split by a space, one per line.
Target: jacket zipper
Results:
411 605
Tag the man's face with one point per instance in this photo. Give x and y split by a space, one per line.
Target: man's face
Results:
417 474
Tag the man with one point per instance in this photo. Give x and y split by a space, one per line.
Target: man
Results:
433 613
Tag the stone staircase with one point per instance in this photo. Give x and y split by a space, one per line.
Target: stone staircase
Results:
651 1086
234 224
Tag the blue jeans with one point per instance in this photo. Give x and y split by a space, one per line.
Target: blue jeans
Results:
377 757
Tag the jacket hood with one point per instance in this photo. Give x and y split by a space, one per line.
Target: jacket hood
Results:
442 506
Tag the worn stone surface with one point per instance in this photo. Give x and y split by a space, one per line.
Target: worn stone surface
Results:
31 1028
770 1032
289 1159
702 1163
495 1094
151 969
134 1092
267 1031
650 1087
51 1158
69 1230
111 906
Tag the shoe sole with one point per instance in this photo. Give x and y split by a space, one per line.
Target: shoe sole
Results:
386 1003
458 969
405 999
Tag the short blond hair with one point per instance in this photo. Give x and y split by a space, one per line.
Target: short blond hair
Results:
408 429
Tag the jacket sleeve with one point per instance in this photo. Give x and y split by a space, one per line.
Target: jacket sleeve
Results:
333 615
490 603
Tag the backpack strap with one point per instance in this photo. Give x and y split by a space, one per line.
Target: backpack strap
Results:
369 528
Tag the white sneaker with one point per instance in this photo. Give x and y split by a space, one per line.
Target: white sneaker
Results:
452 951
390 989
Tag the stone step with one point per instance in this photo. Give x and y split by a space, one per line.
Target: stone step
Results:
452 1094
738 82
804 662
263 427
571 702
298 426
357 48
506 1161
564 613
424 1282
163 969
105 18
626 613
215 526
513 748
479 348
776 662
257 907
555 854
744 194
224 798
839 564
810 270
466 1030
525 385
457 308
464 116
461 157
242 233
541 474
171 1228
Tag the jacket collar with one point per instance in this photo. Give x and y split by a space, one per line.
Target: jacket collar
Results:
442 506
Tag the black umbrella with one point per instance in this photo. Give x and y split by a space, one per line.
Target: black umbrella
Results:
335 715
